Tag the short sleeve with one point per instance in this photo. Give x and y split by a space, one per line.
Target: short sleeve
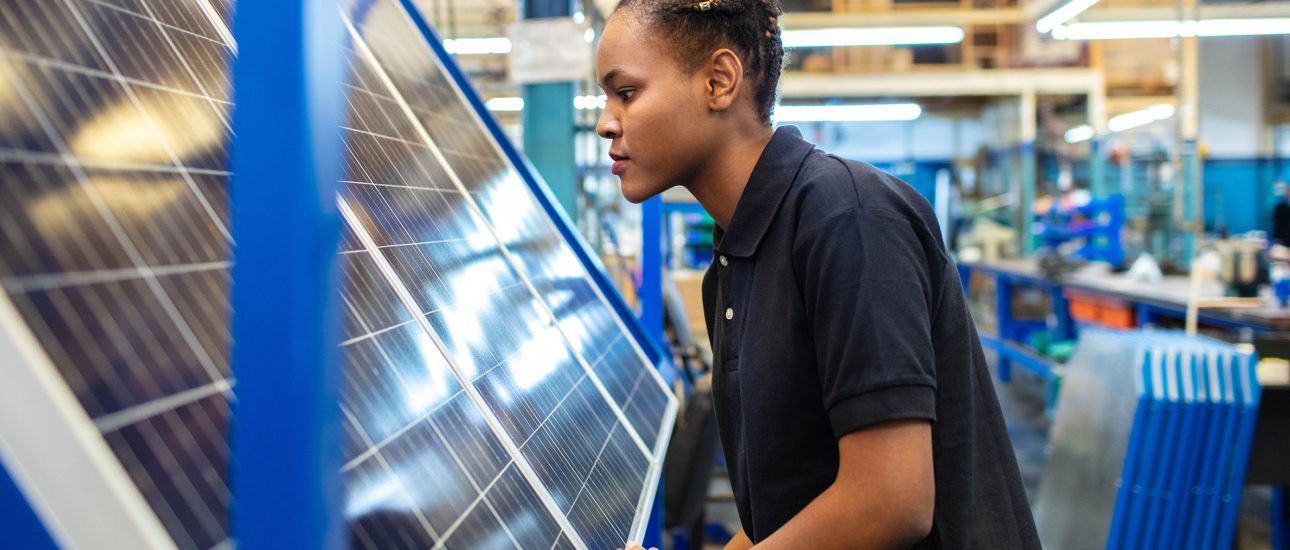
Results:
867 291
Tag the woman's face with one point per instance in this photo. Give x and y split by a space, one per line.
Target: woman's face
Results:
657 115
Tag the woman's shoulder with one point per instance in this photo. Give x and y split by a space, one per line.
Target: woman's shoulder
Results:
827 185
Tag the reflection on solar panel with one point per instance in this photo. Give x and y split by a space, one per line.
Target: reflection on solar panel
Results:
491 397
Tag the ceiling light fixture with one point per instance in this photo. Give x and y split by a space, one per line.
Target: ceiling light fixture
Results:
1119 30
1062 14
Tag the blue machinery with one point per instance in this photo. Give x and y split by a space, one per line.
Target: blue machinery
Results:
1097 225
286 431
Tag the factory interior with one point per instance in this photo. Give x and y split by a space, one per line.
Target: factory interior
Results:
224 323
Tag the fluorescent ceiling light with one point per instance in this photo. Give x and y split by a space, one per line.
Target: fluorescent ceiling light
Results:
1079 133
1063 14
875 36
516 104
848 113
478 46
1129 121
1116 30
505 104
590 102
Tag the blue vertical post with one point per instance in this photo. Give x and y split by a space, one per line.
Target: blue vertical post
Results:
548 119
286 437
1097 168
651 297
1193 217
1029 243
1029 134
651 294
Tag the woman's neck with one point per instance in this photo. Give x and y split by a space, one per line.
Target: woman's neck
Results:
722 181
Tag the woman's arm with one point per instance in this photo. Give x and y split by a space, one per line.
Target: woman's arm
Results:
883 497
739 542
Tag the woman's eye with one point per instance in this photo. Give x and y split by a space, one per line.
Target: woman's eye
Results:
626 95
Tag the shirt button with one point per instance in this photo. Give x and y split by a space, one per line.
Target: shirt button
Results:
724 262
730 314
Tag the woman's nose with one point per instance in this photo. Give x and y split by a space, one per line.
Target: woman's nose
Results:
608 126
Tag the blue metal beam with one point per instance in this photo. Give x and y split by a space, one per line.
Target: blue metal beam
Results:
286 162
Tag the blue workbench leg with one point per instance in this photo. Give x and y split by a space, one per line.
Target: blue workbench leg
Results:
1003 309
1063 328
1280 517
1052 388
1145 317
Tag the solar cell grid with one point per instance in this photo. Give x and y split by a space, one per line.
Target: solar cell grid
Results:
422 467
472 155
113 251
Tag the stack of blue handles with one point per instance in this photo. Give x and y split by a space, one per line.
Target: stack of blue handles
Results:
1180 487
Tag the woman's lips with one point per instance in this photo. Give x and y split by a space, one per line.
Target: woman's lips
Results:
618 167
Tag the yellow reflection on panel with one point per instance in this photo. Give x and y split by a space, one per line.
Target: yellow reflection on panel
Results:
10 102
63 212
123 133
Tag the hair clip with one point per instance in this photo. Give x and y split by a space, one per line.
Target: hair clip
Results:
706 5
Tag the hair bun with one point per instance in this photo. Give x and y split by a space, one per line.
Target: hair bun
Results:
695 28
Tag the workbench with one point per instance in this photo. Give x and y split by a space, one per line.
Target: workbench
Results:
1151 303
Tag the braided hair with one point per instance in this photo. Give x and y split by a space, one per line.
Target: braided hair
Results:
696 28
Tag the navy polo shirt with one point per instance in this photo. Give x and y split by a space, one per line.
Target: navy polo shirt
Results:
832 306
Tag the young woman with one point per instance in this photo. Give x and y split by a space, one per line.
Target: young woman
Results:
855 406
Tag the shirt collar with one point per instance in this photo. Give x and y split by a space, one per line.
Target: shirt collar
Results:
767 186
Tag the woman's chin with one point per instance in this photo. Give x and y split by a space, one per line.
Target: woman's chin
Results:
636 194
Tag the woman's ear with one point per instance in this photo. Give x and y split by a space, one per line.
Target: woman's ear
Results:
725 79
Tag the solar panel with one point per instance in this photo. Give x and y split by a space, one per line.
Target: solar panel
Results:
491 396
